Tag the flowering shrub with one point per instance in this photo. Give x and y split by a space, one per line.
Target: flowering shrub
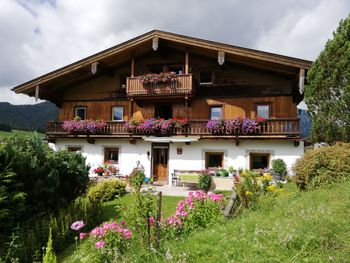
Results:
154 125
111 240
98 170
235 126
84 126
216 126
137 177
198 211
164 77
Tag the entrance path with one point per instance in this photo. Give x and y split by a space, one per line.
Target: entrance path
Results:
173 190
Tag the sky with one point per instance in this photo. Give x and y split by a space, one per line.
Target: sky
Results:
38 36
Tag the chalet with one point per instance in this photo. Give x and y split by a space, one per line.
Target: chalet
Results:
175 102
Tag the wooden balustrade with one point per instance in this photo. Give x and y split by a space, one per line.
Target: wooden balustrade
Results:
272 127
181 86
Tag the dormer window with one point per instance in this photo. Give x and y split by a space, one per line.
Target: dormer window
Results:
80 112
205 77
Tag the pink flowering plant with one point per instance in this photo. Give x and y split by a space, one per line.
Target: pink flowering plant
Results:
155 125
198 211
235 126
153 78
84 126
111 240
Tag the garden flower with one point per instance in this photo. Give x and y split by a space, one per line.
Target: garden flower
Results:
152 220
183 213
77 225
100 244
82 235
127 234
98 231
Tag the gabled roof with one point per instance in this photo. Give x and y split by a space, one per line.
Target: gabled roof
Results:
126 46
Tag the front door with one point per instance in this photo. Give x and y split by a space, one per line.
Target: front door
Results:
160 162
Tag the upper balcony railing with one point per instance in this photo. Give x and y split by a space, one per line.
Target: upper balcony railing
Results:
182 85
270 128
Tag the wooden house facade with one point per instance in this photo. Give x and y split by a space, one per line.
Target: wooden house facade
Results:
204 85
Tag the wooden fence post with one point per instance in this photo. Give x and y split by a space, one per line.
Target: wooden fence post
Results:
159 214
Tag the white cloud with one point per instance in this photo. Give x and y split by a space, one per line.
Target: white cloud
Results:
38 36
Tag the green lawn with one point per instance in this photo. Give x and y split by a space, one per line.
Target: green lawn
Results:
4 134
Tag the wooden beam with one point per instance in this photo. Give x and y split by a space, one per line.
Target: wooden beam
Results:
132 67
186 62
301 80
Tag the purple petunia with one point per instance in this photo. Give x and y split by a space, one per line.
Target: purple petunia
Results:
77 225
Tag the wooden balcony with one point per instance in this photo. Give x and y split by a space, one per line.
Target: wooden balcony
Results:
181 86
271 129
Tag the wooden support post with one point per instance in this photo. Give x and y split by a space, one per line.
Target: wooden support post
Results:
159 215
131 108
301 80
186 62
132 70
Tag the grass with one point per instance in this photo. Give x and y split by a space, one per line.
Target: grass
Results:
4 134
294 227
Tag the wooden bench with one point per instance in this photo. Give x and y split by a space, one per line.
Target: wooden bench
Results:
186 177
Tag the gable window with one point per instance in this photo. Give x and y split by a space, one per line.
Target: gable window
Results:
80 112
214 159
205 77
111 155
216 113
263 111
117 113
71 148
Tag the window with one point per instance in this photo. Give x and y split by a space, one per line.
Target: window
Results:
214 159
117 113
215 113
80 112
111 155
259 160
74 148
206 77
263 111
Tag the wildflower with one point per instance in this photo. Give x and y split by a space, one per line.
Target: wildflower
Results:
77 225
152 220
248 193
82 235
100 244
271 188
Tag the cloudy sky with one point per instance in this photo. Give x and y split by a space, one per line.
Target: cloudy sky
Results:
38 36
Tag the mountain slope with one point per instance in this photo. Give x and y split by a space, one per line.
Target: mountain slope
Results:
28 117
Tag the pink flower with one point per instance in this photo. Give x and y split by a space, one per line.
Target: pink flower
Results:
100 244
171 220
179 222
183 213
127 234
152 220
123 223
98 231
82 235
112 225
77 225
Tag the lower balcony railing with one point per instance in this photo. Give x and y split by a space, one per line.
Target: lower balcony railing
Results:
271 127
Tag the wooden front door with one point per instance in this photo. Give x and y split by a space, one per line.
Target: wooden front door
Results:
160 162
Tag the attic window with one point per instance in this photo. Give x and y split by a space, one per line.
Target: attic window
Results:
205 77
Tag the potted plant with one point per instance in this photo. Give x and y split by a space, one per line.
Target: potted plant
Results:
231 170
279 169
99 170
224 173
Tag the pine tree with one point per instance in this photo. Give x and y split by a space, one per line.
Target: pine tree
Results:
50 256
327 94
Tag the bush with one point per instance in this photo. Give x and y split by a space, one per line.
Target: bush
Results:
323 166
224 173
279 167
106 190
204 181
137 177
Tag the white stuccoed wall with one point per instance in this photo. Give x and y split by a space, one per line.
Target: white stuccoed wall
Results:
192 157
129 154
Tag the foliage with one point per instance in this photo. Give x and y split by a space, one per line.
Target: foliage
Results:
106 190
327 94
224 173
137 177
154 125
204 181
198 211
50 256
84 126
279 167
323 166
231 169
